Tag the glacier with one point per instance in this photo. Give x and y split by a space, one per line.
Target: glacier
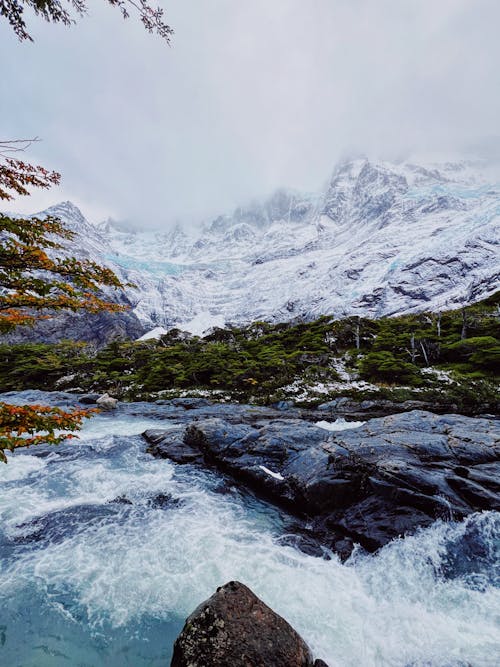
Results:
380 239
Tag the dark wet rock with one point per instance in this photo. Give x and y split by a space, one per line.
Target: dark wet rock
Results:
474 492
164 501
374 522
61 399
89 399
303 539
474 551
121 500
236 413
283 405
233 413
170 445
190 403
225 488
234 628
488 475
344 406
364 485
57 526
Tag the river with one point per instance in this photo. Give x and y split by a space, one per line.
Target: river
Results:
104 551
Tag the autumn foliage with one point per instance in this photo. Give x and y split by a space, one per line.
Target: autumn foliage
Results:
33 279
33 283
25 425
17 176
37 278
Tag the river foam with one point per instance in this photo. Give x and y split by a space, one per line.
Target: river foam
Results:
104 551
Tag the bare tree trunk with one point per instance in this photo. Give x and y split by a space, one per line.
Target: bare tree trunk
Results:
463 335
438 325
424 353
413 353
357 337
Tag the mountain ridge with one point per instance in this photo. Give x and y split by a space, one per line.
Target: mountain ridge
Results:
381 239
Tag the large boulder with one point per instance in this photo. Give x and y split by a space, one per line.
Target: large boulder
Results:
107 402
234 628
170 444
89 399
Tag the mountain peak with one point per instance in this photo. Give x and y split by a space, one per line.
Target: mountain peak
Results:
67 211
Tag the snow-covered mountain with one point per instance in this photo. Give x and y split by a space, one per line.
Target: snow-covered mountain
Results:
382 239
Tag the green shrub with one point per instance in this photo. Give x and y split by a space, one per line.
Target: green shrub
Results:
384 366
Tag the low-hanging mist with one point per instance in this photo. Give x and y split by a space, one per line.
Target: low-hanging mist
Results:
248 98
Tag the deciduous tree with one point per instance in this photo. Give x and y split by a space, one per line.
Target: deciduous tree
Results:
35 282
25 425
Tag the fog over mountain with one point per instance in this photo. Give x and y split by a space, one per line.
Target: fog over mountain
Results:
380 239
250 97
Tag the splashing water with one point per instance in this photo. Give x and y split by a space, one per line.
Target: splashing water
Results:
104 551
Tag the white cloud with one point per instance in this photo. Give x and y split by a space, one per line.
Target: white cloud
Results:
250 96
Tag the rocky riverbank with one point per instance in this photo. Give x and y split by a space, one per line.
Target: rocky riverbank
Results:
367 484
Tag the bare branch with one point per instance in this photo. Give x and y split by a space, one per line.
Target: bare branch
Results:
16 145
53 11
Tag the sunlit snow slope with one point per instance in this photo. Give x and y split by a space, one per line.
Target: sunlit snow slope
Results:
381 239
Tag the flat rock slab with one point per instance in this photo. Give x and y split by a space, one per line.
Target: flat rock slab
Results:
377 407
234 628
363 485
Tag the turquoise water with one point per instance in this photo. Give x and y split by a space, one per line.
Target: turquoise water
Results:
163 268
104 551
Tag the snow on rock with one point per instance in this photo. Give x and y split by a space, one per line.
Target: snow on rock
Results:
202 323
154 334
275 475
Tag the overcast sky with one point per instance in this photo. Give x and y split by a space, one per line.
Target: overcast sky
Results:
250 96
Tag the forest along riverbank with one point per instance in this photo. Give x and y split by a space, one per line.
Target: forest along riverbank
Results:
105 550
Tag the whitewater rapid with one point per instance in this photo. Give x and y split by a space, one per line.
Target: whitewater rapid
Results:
104 551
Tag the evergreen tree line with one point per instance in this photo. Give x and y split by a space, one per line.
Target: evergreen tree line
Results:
259 359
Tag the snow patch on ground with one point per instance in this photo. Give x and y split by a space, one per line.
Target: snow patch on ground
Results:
301 391
339 366
154 334
442 376
202 323
219 395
